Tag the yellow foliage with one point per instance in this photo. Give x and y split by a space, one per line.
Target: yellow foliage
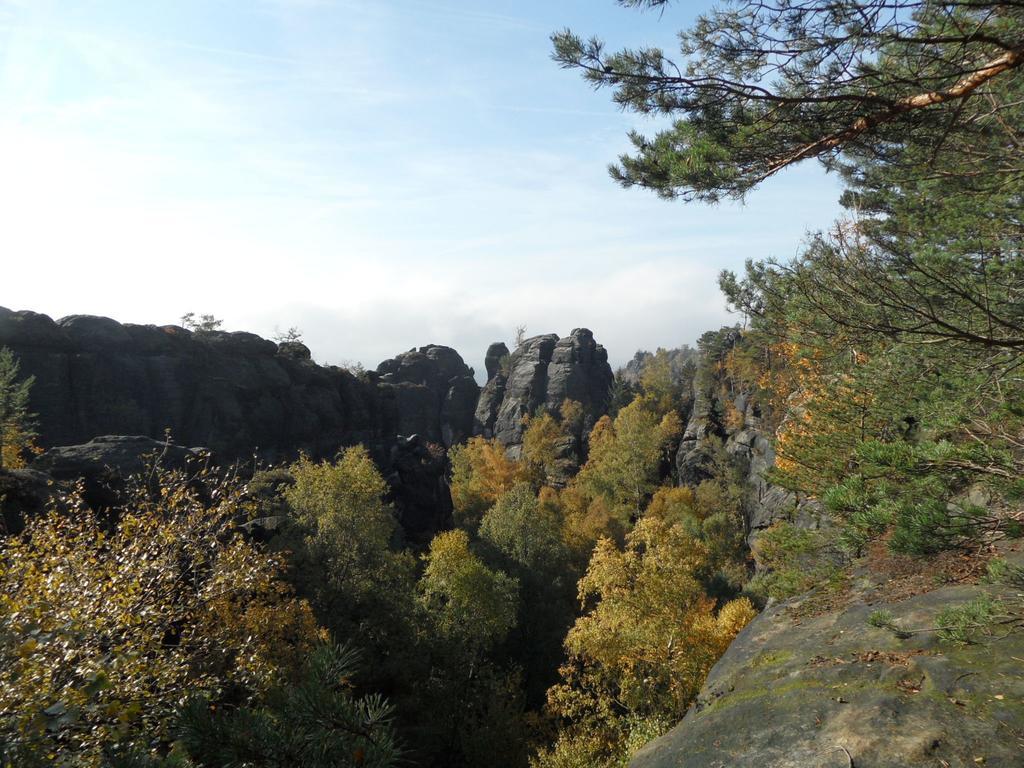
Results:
107 631
469 603
625 458
651 635
541 438
15 447
671 504
481 472
828 414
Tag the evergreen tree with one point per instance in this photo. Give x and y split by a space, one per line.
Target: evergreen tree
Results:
314 721
17 423
764 85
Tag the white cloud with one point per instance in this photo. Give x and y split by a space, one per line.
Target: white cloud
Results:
313 172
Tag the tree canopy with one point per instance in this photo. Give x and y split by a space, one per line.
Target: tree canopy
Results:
761 85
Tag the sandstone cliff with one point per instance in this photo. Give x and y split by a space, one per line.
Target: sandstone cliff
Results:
542 372
234 393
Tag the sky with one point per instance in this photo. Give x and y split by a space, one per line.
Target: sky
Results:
381 174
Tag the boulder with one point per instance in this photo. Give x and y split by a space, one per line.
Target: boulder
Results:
114 455
23 493
799 690
496 354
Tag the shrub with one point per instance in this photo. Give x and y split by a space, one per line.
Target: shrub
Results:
106 629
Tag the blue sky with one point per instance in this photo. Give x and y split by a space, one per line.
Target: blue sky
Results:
380 173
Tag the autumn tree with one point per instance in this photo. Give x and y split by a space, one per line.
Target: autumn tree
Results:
665 379
552 443
640 653
341 534
106 631
481 472
625 458
472 703
314 721
17 422
523 534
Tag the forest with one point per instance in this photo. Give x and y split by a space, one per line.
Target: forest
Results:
570 616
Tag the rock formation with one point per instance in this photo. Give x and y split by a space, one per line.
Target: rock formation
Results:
121 455
744 440
435 393
542 372
234 393
802 687
239 396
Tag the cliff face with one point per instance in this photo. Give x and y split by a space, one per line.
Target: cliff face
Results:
242 396
434 391
542 372
746 439
234 393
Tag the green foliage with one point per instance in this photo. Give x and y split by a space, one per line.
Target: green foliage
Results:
526 538
793 560
1000 571
290 335
625 458
962 623
881 619
914 490
469 603
17 423
202 324
473 707
341 535
315 721
763 86
526 532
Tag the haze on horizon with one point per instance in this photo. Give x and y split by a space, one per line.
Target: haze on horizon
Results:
382 175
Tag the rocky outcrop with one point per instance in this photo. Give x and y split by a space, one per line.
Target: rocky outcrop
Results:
680 360
435 393
419 488
238 395
542 372
230 392
121 455
832 691
234 393
725 417
23 492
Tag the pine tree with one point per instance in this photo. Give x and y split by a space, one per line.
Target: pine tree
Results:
17 423
766 85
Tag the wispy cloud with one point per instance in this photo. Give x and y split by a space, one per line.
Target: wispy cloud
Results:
383 175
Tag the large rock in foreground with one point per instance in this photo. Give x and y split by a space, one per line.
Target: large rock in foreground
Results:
832 691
